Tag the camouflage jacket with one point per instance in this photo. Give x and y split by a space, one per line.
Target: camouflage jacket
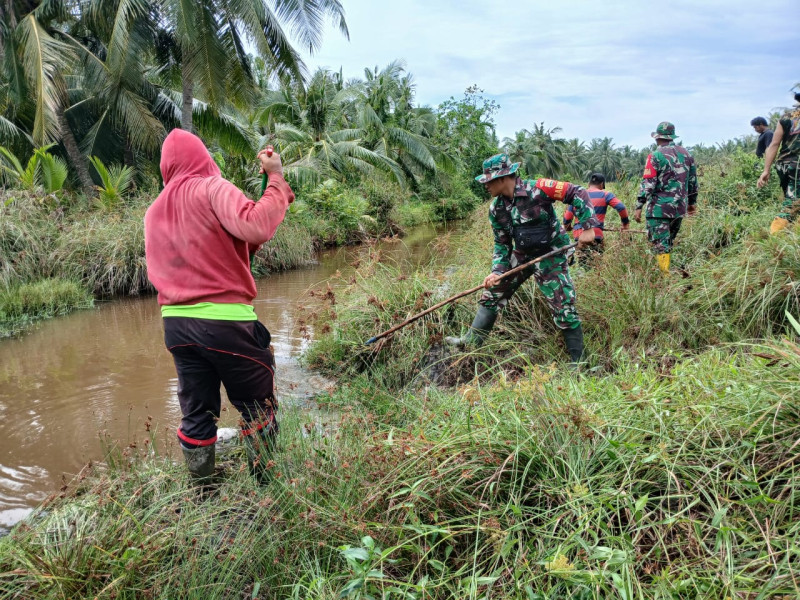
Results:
532 204
669 182
790 142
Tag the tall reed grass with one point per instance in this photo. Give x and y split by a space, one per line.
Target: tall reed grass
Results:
23 304
731 282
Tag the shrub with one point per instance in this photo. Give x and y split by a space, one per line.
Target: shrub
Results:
413 212
729 181
292 247
383 198
336 212
116 181
43 170
451 197
28 229
22 304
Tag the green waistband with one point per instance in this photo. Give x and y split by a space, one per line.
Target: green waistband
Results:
211 310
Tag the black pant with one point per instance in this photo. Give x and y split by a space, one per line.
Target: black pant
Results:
783 180
234 353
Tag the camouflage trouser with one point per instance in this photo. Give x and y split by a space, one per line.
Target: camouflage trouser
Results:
552 278
661 233
789 175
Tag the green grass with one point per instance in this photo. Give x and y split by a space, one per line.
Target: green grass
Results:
43 237
22 305
667 469
649 483
731 282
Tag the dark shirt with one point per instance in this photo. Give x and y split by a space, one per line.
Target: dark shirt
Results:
764 140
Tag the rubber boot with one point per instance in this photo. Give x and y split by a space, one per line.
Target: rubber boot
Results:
778 224
574 341
663 262
481 326
259 448
200 463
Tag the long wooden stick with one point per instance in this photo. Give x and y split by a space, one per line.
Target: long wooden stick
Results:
625 230
516 269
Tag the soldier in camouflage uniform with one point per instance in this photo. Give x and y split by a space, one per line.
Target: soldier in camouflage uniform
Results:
786 146
525 226
669 188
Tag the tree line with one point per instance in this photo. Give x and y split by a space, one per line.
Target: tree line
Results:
101 82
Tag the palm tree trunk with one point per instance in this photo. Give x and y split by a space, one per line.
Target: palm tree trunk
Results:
129 158
74 154
188 97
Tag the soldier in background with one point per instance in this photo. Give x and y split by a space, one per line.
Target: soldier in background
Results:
786 146
525 226
669 188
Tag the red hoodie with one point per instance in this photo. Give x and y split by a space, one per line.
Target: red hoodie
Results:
199 232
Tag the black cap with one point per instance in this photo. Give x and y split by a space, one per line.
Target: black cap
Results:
597 178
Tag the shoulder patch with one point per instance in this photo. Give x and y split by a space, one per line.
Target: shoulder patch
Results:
649 169
554 189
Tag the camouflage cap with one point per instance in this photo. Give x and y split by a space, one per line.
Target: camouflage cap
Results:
496 166
664 131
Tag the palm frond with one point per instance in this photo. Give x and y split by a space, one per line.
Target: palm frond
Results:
306 19
262 27
289 133
54 171
414 145
132 114
207 56
367 117
44 59
223 127
10 130
89 140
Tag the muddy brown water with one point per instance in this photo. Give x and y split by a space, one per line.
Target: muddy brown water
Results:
93 378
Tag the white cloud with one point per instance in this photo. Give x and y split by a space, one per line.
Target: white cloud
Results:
595 69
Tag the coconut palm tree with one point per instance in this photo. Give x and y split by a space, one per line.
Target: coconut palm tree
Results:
604 158
37 54
204 43
632 160
392 127
515 147
311 127
116 42
575 158
543 153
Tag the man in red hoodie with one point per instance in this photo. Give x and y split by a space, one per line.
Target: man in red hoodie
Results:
199 234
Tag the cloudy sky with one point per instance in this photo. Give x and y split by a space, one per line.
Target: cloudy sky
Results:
595 68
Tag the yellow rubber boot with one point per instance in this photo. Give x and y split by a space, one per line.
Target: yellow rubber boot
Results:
663 262
778 223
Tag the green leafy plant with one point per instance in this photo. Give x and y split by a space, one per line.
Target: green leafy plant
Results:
43 169
15 173
364 564
116 181
53 169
